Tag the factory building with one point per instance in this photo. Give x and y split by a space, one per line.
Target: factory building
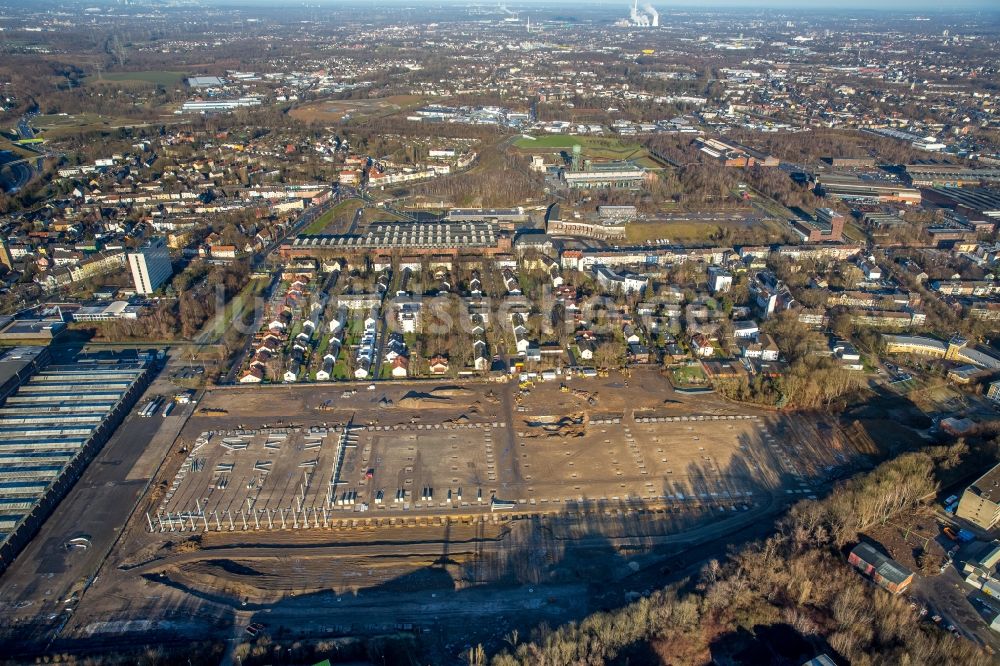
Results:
946 174
22 329
866 187
734 155
605 227
435 238
52 424
971 202
502 216
607 175
207 106
18 364
828 227
205 82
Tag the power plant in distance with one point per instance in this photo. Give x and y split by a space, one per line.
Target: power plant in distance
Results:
648 17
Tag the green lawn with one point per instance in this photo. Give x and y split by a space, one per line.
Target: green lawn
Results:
340 369
592 146
57 125
324 342
317 358
296 329
373 215
319 224
355 327
342 212
694 231
688 374
156 77
675 230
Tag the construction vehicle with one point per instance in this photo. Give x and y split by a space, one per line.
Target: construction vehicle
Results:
590 398
950 533
564 388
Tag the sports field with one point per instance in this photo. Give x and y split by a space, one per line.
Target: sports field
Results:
591 147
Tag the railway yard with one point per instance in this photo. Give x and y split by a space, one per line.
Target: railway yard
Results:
326 511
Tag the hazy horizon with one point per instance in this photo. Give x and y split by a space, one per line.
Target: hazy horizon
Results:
832 6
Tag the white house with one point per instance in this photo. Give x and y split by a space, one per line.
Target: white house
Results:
745 329
701 346
480 360
719 280
521 342
400 367
871 269
323 374
408 317
849 356
764 349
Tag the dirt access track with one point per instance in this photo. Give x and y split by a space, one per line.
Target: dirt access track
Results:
614 480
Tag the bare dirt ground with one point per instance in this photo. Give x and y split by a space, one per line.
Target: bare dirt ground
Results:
330 111
640 477
908 536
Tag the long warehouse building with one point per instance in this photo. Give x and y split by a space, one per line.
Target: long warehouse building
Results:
51 427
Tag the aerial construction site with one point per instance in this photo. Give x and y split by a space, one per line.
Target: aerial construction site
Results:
415 503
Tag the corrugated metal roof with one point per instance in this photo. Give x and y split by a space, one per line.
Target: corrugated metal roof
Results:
884 566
